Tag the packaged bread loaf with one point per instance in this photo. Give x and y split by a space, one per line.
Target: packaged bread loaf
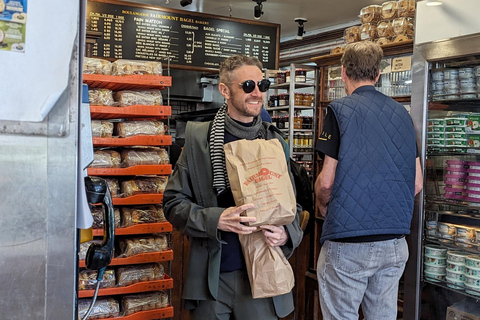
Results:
384 29
106 159
403 26
142 214
368 31
371 14
406 8
97 213
101 97
123 67
140 97
113 186
96 66
134 246
129 275
144 156
352 34
102 129
103 308
383 41
140 127
144 301
389 10
143 185
82 252
87 279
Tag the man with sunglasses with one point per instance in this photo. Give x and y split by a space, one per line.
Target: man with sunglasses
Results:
198 202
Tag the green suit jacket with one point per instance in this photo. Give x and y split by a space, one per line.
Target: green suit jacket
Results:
190 204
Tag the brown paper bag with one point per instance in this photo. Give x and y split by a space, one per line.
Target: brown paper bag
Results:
269 272
257 172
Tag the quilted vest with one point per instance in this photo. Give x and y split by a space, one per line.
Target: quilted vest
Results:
374 186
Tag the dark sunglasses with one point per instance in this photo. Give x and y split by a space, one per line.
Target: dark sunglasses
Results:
249 85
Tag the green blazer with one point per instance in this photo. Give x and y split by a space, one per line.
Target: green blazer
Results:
190 204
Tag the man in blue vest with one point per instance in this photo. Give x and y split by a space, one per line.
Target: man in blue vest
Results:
365 190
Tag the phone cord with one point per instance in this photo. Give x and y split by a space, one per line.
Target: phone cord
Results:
99 279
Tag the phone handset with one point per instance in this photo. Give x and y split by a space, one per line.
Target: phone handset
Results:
99 255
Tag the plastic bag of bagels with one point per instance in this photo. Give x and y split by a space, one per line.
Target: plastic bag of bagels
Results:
257 172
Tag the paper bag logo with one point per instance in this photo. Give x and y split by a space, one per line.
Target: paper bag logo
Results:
263 174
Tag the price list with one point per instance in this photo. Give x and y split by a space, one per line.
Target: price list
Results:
183 37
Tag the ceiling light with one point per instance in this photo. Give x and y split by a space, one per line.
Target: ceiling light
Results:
300 31
258 9
433 3
185 3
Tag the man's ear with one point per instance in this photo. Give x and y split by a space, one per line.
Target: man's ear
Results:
344 74
378 75
224 90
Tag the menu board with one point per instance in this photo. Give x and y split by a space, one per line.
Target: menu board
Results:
133 31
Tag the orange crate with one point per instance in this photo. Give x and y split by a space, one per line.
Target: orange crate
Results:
144 228
162 169
166 255
136 111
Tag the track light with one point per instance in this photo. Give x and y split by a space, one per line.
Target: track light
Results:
258 9
185 3
433 3
300 31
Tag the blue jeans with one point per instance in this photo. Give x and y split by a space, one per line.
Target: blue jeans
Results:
366 274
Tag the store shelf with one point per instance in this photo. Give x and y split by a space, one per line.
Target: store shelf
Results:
149 315
144 228
138 199
129 82
146 286
444 284
162 169
135 111
454 245
401 99
139 140
166 255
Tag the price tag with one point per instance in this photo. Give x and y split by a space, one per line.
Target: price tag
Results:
402 64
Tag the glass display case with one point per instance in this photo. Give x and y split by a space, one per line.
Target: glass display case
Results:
444 269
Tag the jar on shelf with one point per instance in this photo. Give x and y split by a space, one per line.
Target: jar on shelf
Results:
295 141
297 122
286 120
298 98
281 77
282 99
300 75
287 76
307 99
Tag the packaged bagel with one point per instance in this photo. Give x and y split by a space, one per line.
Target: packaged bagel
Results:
143 214
123 67
403 26
134 246
106 159
337 50
140 127
129 275
401 38
102 129
97 213
144 156
389 10
383 41
139 97
371 14
384 29
96 66
101 97
144 301
406 8
352 34
146 185
103 308
113 186
87 279
368 31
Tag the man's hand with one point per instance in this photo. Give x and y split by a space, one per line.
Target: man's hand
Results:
274 236
230 220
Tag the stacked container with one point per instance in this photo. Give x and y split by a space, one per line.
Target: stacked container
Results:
435 263
472 274
456 269
455 179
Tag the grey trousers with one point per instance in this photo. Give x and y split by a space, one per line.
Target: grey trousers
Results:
234 302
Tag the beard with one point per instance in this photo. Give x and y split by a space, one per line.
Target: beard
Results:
245 107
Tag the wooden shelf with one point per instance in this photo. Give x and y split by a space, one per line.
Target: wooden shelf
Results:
117 83
144 228
145 286
139 199
149 315
161 169
139 140
135 111
388 50
166 255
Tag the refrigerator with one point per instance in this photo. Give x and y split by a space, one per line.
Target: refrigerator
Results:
442 277
40 79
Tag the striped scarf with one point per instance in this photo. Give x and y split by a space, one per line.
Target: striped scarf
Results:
222 122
